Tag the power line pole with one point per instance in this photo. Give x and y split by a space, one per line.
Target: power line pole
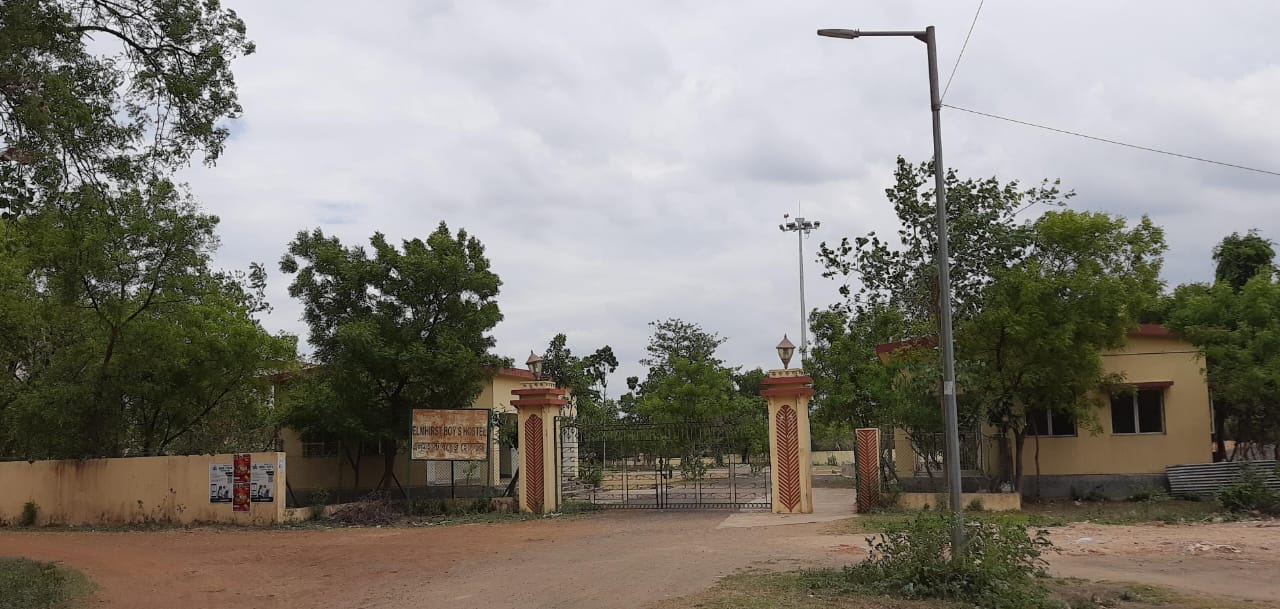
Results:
801 228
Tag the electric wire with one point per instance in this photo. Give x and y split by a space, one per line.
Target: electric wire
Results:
1113 142
962 48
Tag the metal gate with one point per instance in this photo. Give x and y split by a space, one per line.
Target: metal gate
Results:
684 465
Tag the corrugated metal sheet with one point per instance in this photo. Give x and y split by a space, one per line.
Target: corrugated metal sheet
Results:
1209 478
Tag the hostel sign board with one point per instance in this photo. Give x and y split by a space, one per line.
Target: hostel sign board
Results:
450 435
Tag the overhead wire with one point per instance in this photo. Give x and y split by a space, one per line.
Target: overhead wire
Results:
1113 142
962 48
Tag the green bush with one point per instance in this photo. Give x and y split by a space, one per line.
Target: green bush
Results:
1148 492
975 505
832 460
591 474
1249 493
996 569
30 514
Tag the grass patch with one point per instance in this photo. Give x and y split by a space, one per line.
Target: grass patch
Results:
1058 513
828 589
30 584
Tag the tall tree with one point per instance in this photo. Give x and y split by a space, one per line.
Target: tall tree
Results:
1238 258
584 377
125 341
396 330
1036 344
1235 324
686 381
101 95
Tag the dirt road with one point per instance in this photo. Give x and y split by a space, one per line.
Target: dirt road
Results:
619 559
605 560
1240 559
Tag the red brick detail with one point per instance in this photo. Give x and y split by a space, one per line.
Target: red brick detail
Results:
786 391
786 380
868 464
537 391
533 482
539 402
787 434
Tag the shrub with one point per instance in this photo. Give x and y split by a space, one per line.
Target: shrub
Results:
30 514
832 460
591 474
1148 492
996 569
1249 493
1093 495
975 505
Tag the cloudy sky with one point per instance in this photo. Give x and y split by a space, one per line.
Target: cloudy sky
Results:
630 161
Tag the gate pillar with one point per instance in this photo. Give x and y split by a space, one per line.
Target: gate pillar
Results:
867 467
788 392
537 404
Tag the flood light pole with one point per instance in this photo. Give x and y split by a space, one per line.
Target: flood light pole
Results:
801 227
944 272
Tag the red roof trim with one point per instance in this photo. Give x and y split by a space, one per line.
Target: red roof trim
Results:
787 380
518 373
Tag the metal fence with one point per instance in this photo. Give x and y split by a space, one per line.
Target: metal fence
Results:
681 465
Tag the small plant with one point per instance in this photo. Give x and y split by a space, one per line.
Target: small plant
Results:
975 505
832 460
997 568
692 467
1249 493
319 499
591 474
30 514
1147 493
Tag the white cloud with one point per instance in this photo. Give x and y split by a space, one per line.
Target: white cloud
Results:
637 156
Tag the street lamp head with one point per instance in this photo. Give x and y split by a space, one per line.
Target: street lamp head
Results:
781 227
816 224
839 33
535 365
785 351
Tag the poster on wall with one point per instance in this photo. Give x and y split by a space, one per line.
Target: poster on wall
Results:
240 490
220 482
263 481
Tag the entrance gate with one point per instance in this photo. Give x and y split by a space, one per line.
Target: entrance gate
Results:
685 465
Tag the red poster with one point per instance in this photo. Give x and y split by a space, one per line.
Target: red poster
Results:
240 487
243 465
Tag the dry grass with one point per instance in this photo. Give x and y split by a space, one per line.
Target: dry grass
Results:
30 584
1059 513
823 590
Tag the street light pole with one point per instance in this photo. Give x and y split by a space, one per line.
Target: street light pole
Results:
801 227
929 38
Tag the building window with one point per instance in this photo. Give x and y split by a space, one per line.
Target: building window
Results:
319 446
1141 411
1041 422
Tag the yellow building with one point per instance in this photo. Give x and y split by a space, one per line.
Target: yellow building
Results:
1165 420
321 464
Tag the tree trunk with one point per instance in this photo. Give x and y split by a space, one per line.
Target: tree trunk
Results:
1005 456
388 465
1019 441
355 464
1219 433
1037 489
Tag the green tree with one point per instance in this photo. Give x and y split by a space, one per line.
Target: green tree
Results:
97 96
124 341
1036 343
985 235
1239 258
1237 328
584 377
393 330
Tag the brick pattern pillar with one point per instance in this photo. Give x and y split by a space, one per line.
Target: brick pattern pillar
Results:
788 392
867 460
537 404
